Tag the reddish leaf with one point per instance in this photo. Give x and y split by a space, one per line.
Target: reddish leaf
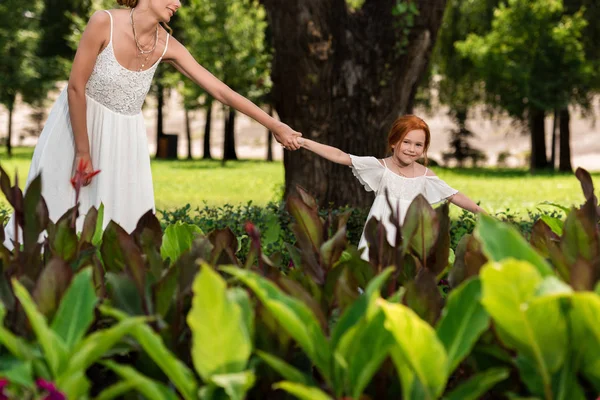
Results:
51 285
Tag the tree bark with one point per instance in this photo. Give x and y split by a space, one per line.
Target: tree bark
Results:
270 138
229 140
207 127
553 142
564 163
539 158
340 79
9 139
188 133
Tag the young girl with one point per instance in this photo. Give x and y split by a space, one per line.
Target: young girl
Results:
97 120
401 174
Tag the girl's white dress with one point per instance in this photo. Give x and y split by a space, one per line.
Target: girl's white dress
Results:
377 177
118 146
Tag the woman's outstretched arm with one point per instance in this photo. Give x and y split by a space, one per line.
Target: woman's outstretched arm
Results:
328 152
185 63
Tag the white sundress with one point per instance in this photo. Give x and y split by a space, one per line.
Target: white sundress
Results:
118 147
377 178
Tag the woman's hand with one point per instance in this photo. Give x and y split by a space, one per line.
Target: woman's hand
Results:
289 138
83 166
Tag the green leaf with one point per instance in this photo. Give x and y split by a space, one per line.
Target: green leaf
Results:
13 343
501 241
17 371
235 385
586 334
97 238
221 342
177 372
463 321
76 311
421 227
478 384
308 223
117 390
534 326
555 224
286 370
302 392
75 385
149 388
418 354
293 315
178 239
53 347
51 285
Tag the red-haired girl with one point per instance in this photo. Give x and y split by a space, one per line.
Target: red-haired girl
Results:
401 174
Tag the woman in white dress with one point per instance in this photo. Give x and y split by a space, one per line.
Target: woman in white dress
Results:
401 174
97 119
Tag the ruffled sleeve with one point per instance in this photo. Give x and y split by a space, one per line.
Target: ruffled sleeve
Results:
437 190
368 171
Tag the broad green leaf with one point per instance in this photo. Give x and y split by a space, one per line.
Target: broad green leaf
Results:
235 385
586 333
117 390
554 223
534 326
178 239
418 354
76 311
478 385
308 223
53 347
501 241
221 343
75 385
272 230
149 388
123 293
17 371
302 392
51 286
463 321
421 227
289 372
242 299
293 315
13 343
97 238
93 347
177 372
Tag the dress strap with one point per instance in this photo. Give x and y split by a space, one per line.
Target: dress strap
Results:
166 46
425 171
384 163
111 24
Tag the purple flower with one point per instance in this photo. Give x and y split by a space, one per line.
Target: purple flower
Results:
53 392
3 384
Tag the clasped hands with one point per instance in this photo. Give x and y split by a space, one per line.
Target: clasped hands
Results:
287 137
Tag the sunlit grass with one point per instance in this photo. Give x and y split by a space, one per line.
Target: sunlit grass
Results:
177 183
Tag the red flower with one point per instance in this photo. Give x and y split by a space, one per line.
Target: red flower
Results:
3 384
81 177
50 388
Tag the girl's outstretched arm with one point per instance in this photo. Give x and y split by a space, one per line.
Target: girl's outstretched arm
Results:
181 58
328 152
463 201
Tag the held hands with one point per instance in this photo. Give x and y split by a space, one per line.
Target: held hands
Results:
289 138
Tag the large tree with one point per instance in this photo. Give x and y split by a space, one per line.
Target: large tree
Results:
342 75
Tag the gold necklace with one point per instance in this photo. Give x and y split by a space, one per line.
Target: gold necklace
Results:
141 51
399 168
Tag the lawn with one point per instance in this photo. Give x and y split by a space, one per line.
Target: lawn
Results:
177 183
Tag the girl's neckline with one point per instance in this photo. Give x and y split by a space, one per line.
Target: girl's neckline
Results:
402 176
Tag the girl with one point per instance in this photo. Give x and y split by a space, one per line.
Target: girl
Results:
401 174
97 120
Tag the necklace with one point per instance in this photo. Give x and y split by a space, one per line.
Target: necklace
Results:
141 51
400 170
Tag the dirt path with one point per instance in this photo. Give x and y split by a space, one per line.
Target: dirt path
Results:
493 137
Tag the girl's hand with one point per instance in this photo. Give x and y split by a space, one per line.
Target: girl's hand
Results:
288 137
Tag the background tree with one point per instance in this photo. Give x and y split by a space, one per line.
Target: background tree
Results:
19 65
342 73
227 38
532 62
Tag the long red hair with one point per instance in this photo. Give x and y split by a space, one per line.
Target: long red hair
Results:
405 124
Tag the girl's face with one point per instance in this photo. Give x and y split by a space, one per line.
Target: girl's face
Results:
165 9
411 147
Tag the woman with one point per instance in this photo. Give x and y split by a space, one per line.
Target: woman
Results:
97 120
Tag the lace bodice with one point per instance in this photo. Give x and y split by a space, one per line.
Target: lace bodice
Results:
376 177
116 87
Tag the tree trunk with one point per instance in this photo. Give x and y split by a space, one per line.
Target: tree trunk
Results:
340 79
539 159
188 133
207 155
553 142
565 141
9 139
160 100
229 140
270 138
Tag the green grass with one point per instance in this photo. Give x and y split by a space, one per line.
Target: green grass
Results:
177 183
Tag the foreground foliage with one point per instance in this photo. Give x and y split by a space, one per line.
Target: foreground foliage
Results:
180 314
